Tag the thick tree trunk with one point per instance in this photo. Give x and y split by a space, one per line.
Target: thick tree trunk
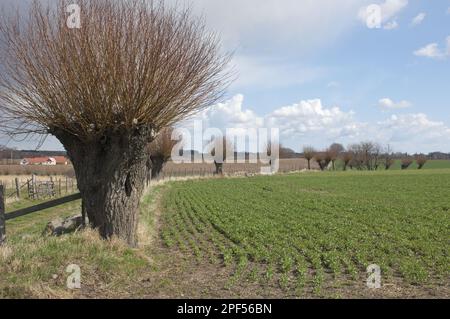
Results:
111 174
320 163
309 165
157 163
219 168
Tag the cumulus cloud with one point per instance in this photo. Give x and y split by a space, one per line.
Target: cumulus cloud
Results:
414 133
418 19
388 104
310 119
310 122
433 50
430 51
230 114
389 10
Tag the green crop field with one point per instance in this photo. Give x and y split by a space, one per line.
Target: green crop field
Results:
305 233
296 235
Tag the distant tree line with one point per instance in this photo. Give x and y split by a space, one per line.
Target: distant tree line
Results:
365 155
369 156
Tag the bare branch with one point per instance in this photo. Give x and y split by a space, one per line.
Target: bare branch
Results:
132 63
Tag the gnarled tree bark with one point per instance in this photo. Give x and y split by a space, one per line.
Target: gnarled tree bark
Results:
111 174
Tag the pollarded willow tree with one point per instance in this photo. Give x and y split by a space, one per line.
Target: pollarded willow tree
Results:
160 151
308 153
221 149
106 89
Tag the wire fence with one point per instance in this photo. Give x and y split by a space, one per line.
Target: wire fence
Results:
173 171
35 188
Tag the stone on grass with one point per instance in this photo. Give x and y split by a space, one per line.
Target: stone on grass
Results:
59 226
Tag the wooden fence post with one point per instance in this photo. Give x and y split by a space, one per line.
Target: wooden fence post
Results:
2 215
34 187
17 188
29 189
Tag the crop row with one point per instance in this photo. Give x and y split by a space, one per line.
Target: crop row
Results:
303 229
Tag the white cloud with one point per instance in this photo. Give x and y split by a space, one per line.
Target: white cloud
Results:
229 114
301 26
414 133
391 25
310 122
387 103
448 10
289 30
233 114
389 10
430 51
391 7
418 19
433 51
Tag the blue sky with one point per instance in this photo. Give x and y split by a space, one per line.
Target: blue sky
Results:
317 71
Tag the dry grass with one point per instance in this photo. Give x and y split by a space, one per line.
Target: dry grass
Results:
171 169
35 266
202 169
40 170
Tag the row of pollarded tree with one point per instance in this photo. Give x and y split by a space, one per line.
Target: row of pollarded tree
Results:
363 156
159 152
161 148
